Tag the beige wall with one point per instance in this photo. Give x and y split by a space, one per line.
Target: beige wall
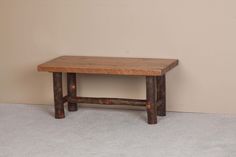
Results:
200 33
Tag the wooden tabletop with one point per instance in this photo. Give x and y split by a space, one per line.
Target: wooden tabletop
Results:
109 65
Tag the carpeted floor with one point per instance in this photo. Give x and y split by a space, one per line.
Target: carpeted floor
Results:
31 131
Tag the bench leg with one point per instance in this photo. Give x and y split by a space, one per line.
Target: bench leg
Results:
151 101
58 95
161 94
71 89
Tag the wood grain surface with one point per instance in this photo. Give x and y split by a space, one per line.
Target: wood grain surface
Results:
109 65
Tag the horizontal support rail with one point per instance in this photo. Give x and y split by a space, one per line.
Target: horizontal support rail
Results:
108 101
65 99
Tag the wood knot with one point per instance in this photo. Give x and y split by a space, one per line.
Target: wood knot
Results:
148 106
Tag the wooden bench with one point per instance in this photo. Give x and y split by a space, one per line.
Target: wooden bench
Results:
153 69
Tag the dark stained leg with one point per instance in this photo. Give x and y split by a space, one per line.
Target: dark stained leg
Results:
71 89
58 95
151 101
161 94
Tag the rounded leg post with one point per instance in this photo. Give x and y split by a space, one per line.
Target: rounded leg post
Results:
161 94
58 95
72 90
151 101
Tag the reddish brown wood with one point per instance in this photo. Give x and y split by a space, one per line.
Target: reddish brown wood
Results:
72 91
151 100
153 69
161 94
109 65
158 103
65 99
108 101
58 96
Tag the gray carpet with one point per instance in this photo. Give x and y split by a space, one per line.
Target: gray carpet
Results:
31 131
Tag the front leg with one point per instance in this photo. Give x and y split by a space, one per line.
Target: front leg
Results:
151 104
58 95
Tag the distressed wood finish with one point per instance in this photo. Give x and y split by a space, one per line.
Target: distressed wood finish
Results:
72 91
108 101
153 69
161 94
109 65
58 96
151 103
